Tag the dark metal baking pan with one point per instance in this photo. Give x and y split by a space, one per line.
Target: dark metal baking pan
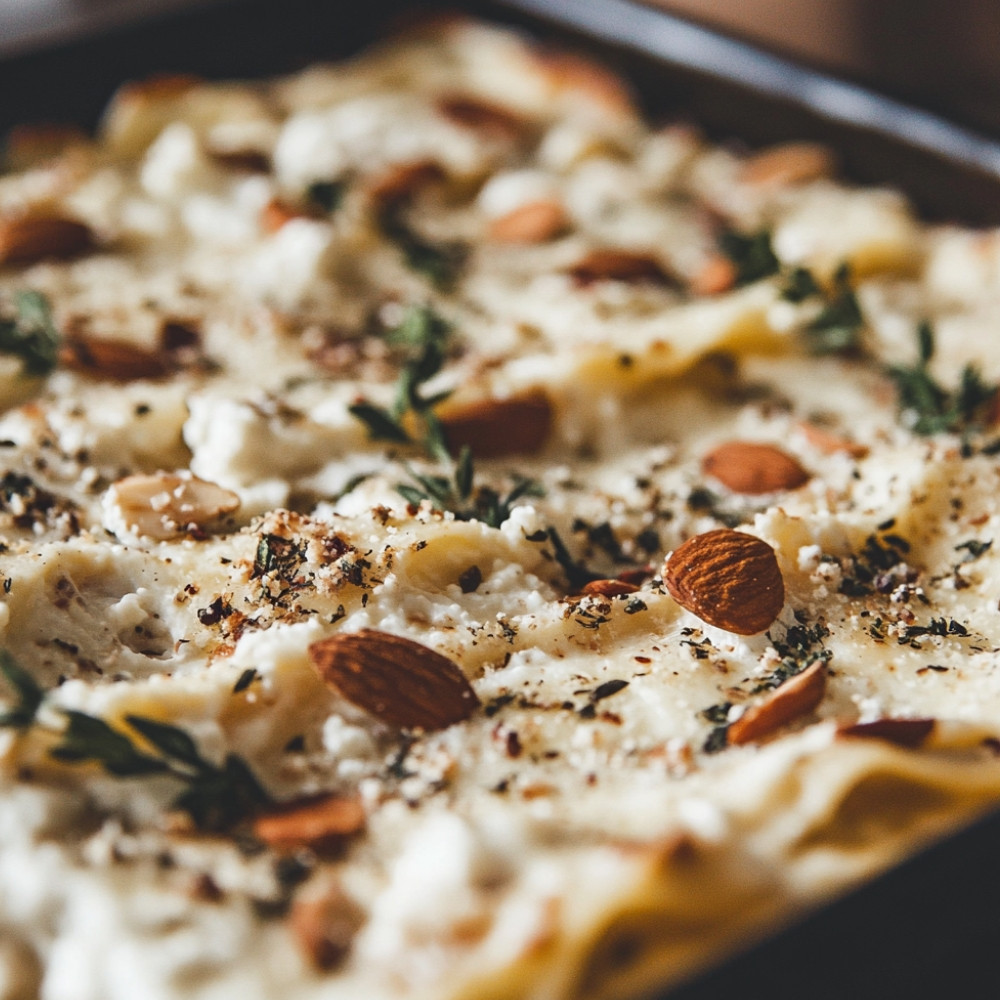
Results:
927 927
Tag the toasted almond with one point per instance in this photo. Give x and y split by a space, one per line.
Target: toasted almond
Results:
397 680
168 504
717 275
608 588
113 359
830 443
482 116
798 696
727 578
533 222
752 468
614 264
789 163
242 161
402 181
567 73
322 824
494 428
277 212
903 732
32 238
325 924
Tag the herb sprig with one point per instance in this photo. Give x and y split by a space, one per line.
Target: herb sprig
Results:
928 408
31 334
752 255
215 797
837 327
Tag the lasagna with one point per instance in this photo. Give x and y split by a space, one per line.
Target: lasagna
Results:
461 539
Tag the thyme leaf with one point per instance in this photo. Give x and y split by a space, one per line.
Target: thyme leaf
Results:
31 334
837 328
752 255
28 695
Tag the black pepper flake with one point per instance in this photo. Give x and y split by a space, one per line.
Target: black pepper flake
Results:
608 688
635 605
245 680
470 580
215 612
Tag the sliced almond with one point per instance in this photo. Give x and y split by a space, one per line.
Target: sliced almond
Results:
167 505
830 443
903 732
277 212
325 924
322 824
402 181
495 428
397 680
534 222
31 238
608 588
752 468
798 696
613 264
717 275
29 145
481 116
789 163
727 578
113 359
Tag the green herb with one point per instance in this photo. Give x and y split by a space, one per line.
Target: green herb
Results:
577 575
31 335
801 647
27 694
424 335
326 195
441 262
926 406
837 328
752 255
718 737
87 738
974 548
800 285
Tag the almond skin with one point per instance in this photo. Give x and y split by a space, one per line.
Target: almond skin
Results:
608 588
717 275
495 428
32 238
753 469
727 578
909 733
798 696
116 360
481 116
613 264
534 222
324 925
829 443
399 681
322 825
789 163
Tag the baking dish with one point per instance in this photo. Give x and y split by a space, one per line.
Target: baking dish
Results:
950 177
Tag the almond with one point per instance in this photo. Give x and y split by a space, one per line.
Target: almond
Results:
31 238
402 181
277 212
789 163
242 161
608 588
28 145
717 275
613 264
752 468
325 924
167 504
481 116
903 732
534 222
830 443
322 824
494 428
727 578
567 72
109 358
798 696
397 680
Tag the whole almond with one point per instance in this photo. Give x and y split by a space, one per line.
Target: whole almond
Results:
614 264
752 468
903 732
397 680
109 358
534 222
717 275
32 238
798 696
322 824
727 578
789 163
495 428
324 923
